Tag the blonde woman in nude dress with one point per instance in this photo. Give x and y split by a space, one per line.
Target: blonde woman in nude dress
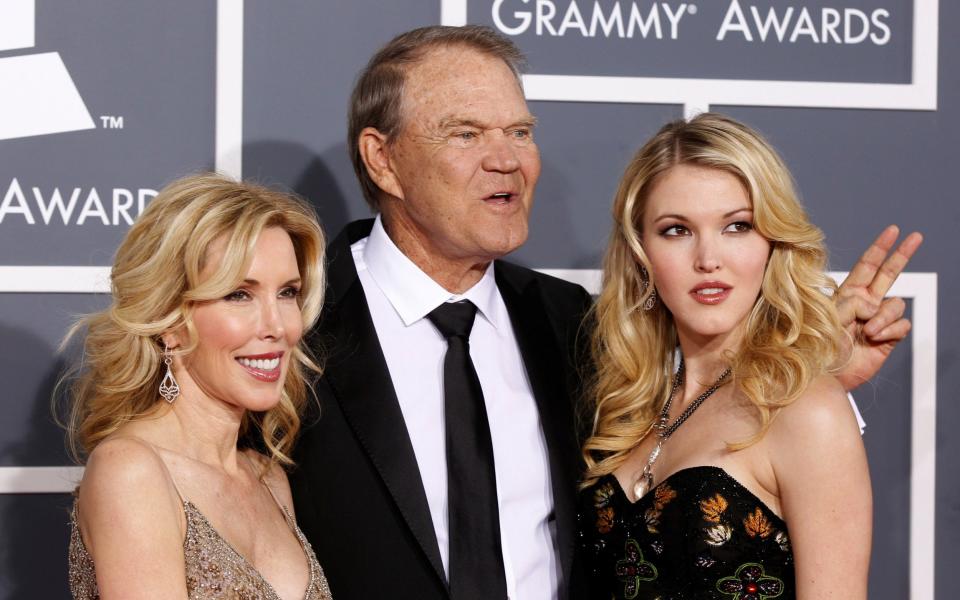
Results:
197 357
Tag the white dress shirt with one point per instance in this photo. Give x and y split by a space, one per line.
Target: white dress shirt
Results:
400 296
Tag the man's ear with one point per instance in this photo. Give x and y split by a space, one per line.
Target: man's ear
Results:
375 153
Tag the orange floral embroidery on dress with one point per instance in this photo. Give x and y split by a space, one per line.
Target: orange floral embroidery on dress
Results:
605 519
697 535
663 495
652 518
757 525
603 495
713 507
605 514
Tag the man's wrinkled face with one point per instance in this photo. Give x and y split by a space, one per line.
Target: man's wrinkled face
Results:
464 159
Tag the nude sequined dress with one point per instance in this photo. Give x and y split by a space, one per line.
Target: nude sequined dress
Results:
214 569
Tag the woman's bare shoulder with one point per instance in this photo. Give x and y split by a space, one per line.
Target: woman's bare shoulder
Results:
121 462
126 476
132 521
822 409
819 423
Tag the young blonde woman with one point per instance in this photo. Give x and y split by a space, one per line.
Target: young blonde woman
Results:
212 289
725 461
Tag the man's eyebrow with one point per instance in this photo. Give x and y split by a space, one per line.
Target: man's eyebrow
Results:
454 122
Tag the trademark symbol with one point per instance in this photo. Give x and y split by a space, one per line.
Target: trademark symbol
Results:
111 122
692 9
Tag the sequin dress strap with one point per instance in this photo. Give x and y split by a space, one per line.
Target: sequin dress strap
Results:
262 478
166 469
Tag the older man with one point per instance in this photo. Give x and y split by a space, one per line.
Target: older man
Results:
445 461
405 492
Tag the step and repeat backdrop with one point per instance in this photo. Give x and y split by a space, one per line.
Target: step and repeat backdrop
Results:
104 101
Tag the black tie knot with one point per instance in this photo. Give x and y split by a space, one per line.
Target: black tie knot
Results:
454 319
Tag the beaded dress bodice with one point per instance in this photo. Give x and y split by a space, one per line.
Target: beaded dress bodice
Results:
215 570
698 535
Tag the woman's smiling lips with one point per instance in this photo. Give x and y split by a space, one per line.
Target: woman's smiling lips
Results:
265 367
711 292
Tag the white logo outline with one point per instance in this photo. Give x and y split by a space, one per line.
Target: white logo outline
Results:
39 96
698 95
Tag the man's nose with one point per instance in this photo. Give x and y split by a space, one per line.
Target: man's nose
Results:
500 152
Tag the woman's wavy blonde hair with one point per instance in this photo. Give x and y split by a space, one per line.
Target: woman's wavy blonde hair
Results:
791 336
155 283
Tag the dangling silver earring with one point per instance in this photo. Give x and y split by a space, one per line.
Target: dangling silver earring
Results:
651 300
169 389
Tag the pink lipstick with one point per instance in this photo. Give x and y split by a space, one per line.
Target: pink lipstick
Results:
711 292
265 367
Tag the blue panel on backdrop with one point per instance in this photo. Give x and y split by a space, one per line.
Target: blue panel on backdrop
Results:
33 557
295 117
31 327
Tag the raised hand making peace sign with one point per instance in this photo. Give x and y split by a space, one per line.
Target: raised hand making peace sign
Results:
875 323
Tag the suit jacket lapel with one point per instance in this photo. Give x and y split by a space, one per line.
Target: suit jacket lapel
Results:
357 373
542 357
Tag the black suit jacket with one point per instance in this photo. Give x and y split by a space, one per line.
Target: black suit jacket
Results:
357 489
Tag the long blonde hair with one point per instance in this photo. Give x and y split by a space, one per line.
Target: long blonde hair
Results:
155 283
792 334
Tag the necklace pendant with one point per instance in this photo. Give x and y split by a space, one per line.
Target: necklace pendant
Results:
645 481
664 429
643 484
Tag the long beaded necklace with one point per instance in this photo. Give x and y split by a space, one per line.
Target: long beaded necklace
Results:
664 431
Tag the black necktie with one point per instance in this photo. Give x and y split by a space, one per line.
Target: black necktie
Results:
476 558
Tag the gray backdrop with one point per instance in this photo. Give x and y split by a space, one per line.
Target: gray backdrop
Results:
155 65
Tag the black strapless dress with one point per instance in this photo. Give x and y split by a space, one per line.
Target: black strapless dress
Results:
699 535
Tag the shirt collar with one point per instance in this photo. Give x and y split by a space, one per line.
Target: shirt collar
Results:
412 293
